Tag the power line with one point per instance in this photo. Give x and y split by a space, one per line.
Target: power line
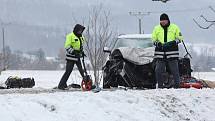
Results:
181 10
212 22
211 7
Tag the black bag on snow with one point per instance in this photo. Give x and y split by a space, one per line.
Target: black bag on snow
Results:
16 82
1 87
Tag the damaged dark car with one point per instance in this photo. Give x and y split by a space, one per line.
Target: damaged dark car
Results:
131 64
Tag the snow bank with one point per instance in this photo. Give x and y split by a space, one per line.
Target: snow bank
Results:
120 105
148 105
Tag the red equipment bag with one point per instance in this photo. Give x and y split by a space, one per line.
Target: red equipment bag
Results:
189 82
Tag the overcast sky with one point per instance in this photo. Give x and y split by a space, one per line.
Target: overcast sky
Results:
61 14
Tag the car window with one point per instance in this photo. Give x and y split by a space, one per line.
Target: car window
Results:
134 42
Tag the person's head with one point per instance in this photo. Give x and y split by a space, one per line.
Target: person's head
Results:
78 30
164 20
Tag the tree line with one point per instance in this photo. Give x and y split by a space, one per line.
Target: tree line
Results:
31 60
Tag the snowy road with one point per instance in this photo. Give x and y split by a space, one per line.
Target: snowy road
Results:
121 105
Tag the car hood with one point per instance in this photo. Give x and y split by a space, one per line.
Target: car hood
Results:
138 56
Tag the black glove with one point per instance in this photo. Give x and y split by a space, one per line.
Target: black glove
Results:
158 44
170 44
75 52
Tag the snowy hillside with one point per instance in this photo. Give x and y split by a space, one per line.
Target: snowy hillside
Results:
206 49
203 48
121 105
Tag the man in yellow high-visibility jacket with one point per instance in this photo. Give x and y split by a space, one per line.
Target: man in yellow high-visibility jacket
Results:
166 38
74 50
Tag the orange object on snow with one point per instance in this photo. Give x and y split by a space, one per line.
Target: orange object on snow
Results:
189 82
197 85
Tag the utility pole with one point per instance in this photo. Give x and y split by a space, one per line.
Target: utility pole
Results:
3 48
139 16
3 25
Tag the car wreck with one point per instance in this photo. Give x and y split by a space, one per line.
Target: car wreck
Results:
131 64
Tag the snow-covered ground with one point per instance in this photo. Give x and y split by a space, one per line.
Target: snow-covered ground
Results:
45 79
120 105
205 75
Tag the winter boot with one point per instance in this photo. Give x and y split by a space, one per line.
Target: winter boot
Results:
62 86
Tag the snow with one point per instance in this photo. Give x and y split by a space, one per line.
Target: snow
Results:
45 79
119 105
204 75
201 48
135 36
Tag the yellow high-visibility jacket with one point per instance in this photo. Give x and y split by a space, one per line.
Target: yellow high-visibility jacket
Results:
73 43
172 34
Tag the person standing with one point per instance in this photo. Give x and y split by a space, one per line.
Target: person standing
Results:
74 51
166 36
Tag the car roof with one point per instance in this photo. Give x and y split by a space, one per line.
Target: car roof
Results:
133 36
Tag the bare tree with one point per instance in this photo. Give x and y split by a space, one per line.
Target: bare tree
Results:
99 34
211 22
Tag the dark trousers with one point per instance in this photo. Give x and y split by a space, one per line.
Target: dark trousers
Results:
69 68
161 68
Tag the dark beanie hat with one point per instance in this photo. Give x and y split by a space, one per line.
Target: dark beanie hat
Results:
77 28
164 16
